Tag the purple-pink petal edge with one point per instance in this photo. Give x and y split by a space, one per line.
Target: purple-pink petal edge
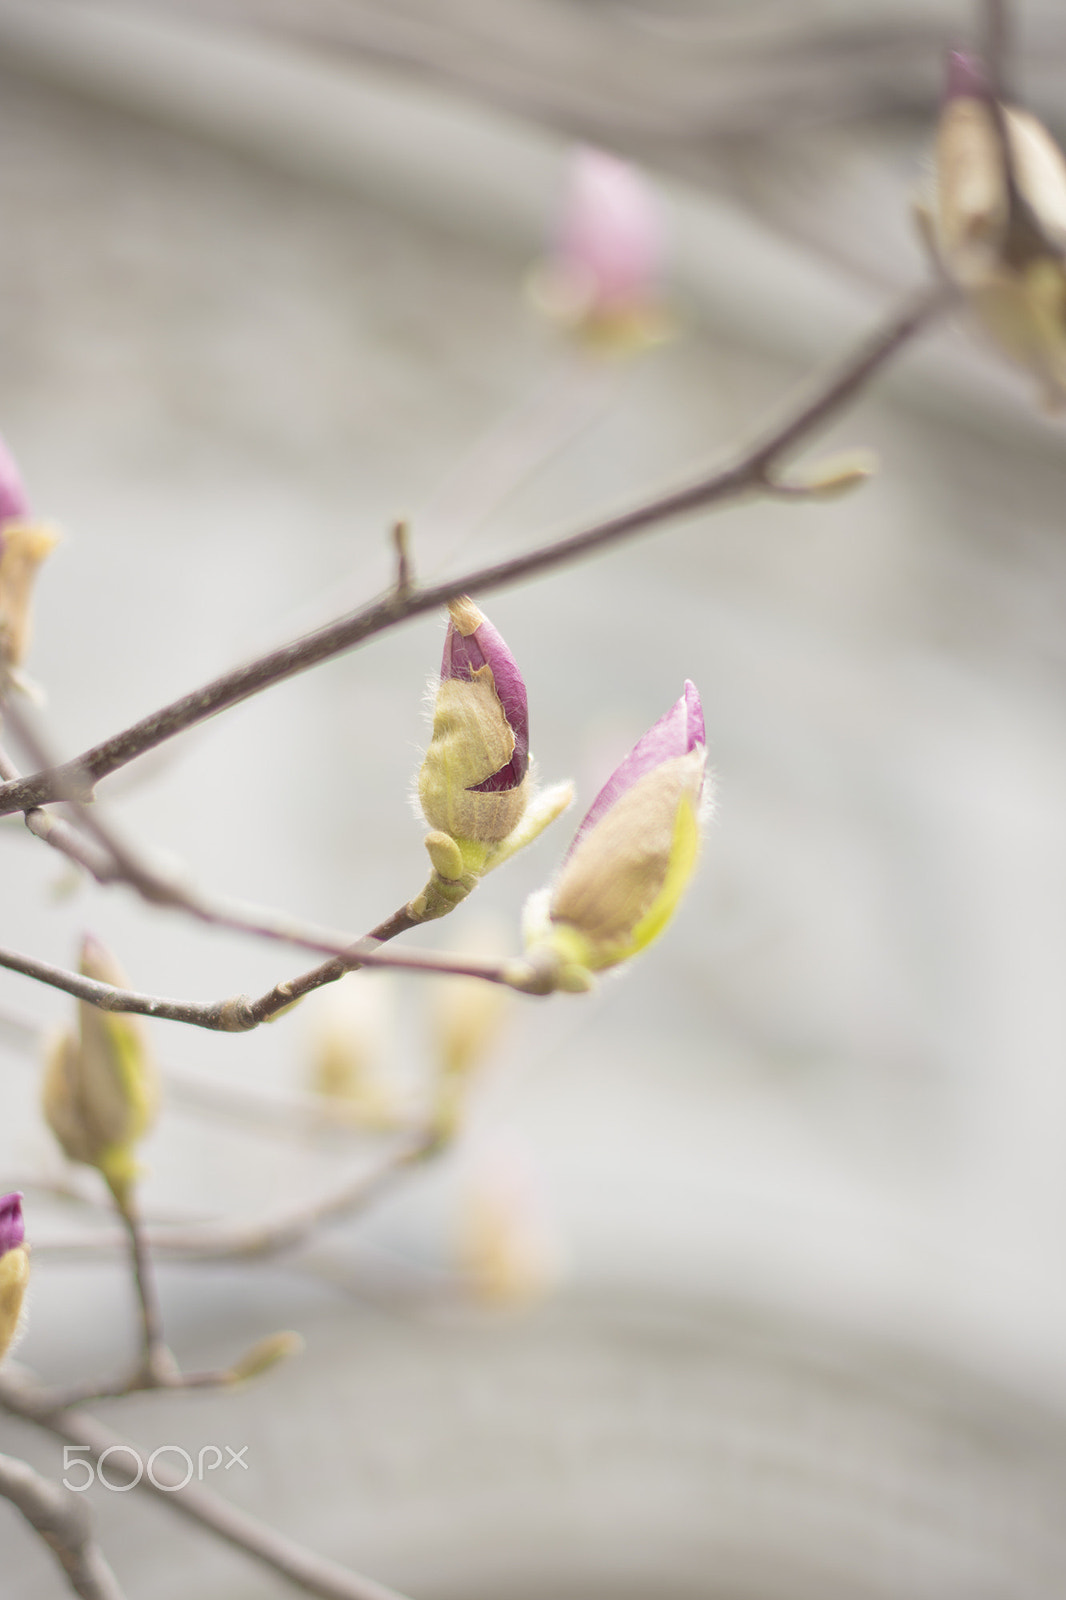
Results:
966 78
12 1227
13 501
466 654
676 733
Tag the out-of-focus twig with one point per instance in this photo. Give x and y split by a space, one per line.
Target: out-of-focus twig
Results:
64 1525
314 1574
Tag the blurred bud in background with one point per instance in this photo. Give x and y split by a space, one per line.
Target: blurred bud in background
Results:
504 1244
352 1047
100 1087
998 223
601 280
14 1269
467 1017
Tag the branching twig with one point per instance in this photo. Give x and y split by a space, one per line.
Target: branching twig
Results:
315 1574
746 476
63 1523
287 1229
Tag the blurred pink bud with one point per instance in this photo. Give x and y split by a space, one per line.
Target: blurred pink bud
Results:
611 238
602 276
14 1269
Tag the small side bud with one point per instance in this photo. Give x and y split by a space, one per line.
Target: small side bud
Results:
265 1354
14 1269
830 478
100 1087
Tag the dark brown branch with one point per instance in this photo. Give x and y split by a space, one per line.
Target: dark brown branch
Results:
63 1523
748 475
314 1574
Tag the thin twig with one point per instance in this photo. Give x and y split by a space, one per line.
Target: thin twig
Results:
747 475
315 1574
268 1236
64 1525
158 1369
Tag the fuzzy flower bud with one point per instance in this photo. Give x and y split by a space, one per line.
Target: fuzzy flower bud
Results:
632 856
23 546
602 278
1003 243
14 1268
474 784
100 1088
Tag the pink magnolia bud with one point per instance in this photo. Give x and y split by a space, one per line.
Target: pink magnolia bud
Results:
632 855
14 1268
474 783
602 277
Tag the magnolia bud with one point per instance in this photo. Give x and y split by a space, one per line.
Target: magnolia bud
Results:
14 1268
602 278
1003 244
23 546
632 855
504 1244
100 1088
474 784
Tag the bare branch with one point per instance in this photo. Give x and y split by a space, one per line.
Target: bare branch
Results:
746 476
315 1575
63 1523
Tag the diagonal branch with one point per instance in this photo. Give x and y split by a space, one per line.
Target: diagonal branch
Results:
750 474
314 1574
63 1523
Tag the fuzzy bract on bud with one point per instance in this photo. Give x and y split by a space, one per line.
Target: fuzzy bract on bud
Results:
632 855
474 784
601 279
23 546
14 1268
100 1087
998 223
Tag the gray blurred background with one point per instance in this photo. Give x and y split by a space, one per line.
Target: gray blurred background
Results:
261 292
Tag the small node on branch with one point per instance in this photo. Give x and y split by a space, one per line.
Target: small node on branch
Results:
401 538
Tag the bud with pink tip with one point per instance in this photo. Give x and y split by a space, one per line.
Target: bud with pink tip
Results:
475 784
631 858
14 1268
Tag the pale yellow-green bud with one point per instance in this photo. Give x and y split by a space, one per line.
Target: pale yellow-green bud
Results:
100 1088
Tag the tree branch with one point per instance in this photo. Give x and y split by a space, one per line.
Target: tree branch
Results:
315 1575
749 474
63 1523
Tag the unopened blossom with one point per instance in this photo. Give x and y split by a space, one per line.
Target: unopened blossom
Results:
100 1087
14 1268
475 785
1003 244
23 546
602 277
632 856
